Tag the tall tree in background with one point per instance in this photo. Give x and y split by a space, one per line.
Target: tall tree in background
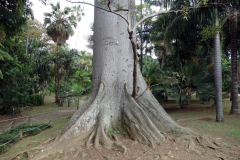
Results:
59 24
218 71
234 82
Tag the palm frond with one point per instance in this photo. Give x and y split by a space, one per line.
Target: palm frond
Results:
47 21
4 55
47 15
67 10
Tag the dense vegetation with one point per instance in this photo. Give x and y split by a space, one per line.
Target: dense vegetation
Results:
27 58
31 65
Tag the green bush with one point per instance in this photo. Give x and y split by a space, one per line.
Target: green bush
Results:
25 100
36 100
12 135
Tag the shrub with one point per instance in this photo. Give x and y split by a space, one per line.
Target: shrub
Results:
36 100
11 136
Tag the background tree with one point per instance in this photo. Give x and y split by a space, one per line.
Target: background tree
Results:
143 32
234 82
14 14
37 30
60 25
17 82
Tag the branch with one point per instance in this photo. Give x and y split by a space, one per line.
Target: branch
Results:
159 13
104 9
153 15
109 2
118 10
217 4
89 5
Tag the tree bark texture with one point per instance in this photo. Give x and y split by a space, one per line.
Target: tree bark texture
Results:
234 83
218 73
111 106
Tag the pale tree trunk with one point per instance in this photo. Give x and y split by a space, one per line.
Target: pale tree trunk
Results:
234 83
218 73
111 107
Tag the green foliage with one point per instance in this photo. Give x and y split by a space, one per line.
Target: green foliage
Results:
194 77
179 81
14 14
4 55
149 73
19 77
16 85
174 132
112 132
82 77
36 100
180 98
226 72
59 23
11 136
208 32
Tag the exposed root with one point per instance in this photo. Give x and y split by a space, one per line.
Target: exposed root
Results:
159 116
206 142
33 143
49 140
99 136
90 139
29 154
143 120
138 124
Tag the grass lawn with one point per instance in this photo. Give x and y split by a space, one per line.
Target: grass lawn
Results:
48 106
202 118
57 126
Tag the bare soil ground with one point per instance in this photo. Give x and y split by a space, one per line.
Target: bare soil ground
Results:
180 147
210 145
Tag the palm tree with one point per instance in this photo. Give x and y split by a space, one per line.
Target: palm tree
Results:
59 25
234 83
85 61
218 71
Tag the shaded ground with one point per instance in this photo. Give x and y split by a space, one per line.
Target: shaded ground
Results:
6 121
199 117
5 124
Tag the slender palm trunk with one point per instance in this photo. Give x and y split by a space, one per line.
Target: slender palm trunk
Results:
58 76
234 83
55 86
27 47
218 73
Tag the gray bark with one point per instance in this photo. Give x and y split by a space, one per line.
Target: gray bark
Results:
234 83
111 107
218 73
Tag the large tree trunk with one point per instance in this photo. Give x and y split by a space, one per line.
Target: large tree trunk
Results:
111 107
234 83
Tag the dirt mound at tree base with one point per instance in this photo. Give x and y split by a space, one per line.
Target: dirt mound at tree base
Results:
176 146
